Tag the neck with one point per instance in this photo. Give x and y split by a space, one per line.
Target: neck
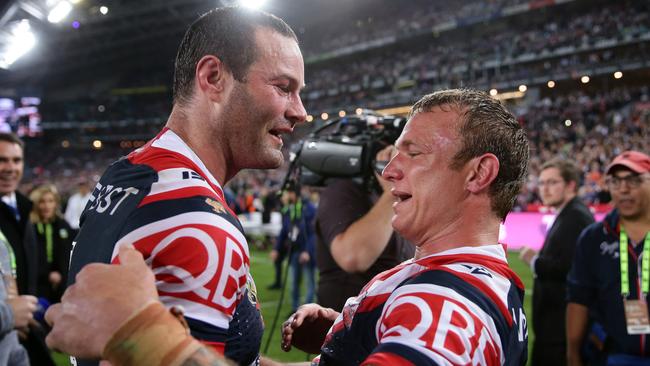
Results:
636 228
463 231
566 201
192 128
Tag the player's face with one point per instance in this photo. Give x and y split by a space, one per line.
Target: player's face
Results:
427 191
11 166
630 193
553 190
267 104
47 206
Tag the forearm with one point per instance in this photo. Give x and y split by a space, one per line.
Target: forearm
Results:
359 246
205 356
577 318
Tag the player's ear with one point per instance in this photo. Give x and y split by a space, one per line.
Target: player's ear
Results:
211 77
483 170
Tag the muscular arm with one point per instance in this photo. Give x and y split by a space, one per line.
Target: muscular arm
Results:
359 246
577 317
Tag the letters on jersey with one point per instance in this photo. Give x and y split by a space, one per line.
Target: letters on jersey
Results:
459 307
162 200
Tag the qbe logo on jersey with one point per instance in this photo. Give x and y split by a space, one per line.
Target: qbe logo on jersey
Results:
441 325
197 257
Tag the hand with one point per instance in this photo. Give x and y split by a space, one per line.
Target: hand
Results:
526 254
307 327
385 154
23 308
274 255
105 296
55 279
303 258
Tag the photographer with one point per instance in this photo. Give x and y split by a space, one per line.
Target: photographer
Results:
355 240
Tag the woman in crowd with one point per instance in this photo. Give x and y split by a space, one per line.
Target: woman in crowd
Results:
54 242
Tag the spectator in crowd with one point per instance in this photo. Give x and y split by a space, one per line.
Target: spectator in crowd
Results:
77 202
452 283
558 184
297 238
237 79
16 311
19 232
355 240
609 276
54 236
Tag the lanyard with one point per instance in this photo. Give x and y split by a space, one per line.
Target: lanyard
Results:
12 256
49 248
645 265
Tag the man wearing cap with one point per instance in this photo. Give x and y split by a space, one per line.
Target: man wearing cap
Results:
610 277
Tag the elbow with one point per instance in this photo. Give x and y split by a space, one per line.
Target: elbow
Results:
351 263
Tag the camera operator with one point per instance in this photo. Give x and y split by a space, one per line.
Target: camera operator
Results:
355 239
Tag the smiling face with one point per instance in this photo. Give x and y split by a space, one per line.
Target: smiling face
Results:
11 166
265 105
427 191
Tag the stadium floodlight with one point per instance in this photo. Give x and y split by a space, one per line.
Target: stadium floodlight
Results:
20 41
59 11
103 10
253 4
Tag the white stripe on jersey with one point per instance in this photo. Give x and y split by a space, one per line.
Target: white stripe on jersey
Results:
444 292
172 179
198 311
499 284
172 142
195 217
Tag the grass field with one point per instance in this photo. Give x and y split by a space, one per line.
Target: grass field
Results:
263 272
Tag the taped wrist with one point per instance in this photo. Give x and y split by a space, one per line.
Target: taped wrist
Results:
153 336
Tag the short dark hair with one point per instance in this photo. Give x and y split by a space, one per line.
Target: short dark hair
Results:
227 33
486 127
12 138
568 170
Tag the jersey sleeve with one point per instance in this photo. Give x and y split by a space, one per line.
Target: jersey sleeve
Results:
429 324
199 257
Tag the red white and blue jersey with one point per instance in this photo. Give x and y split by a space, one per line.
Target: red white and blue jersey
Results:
458 307
163 200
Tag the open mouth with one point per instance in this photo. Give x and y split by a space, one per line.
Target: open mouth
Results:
277 134
401 196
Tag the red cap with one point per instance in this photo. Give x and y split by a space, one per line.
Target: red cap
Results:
637 162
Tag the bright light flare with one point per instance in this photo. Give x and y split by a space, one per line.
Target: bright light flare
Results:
618 75
21 40
494 92
253 4
585 79
551 84
59 12
103 10
523 88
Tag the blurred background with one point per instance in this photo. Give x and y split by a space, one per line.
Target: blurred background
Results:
84 82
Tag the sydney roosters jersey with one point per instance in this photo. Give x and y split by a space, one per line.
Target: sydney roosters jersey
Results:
457 307
162 199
